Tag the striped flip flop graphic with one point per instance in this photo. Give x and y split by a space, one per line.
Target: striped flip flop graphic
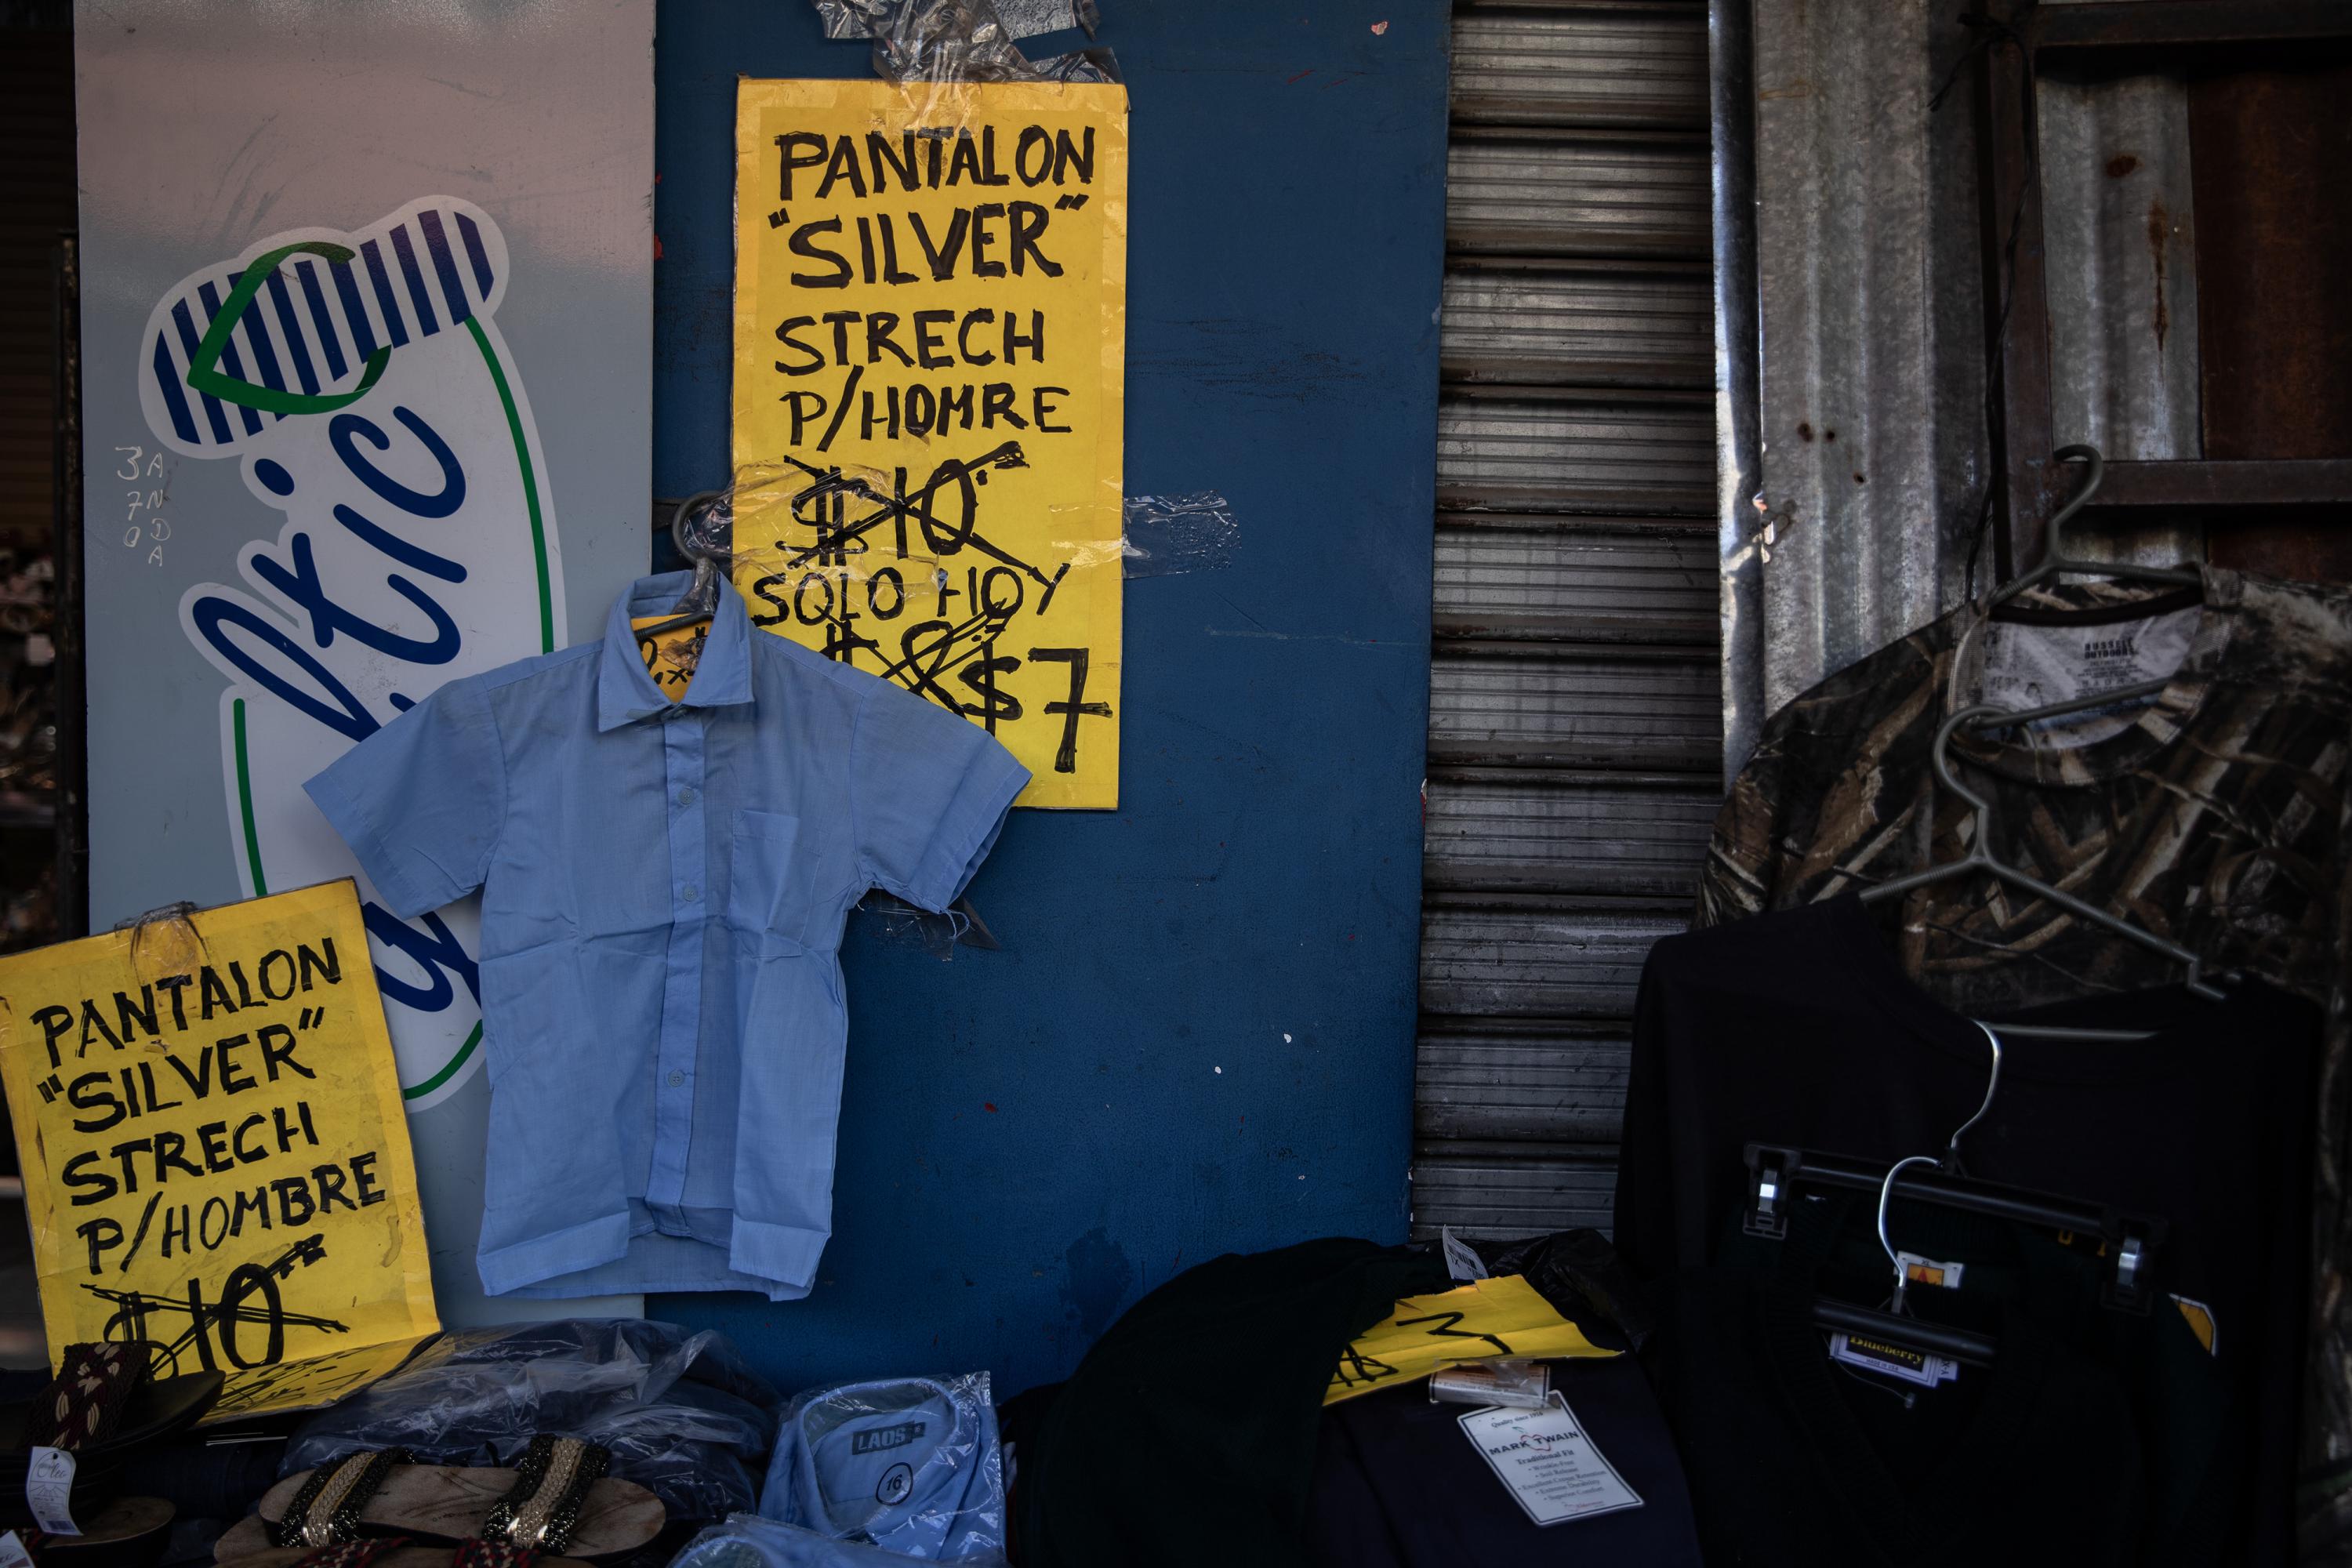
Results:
306 326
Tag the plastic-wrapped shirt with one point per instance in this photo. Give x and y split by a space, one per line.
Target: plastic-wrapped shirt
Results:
906 1464
748 1541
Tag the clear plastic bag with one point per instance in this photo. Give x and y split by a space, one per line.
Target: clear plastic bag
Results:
683 1416
1022 18
747 1541
963 40
1517 1383
907 1463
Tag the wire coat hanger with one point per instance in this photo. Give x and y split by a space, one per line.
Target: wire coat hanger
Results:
1980 855
1949 1160
2056 563
2130 1238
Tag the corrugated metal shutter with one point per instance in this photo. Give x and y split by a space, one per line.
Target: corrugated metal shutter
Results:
1576 727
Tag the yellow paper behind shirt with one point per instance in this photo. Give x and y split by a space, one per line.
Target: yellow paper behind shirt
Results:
229 1176
1484 1320
670 656
929 398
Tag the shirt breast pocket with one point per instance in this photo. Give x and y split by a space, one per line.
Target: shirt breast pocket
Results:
767 890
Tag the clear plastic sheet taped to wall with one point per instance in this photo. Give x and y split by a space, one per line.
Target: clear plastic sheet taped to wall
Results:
968 40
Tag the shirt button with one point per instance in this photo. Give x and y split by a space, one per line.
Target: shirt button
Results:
677 1079
688 893
685 797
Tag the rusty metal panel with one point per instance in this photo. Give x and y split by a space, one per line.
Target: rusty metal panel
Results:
1582 323
1550 1083
1489 710
1519 450
2275 190
1497 831
2120 263
1620 62
1871 296
2140 24
2120 267
1870 403
1507 1195
1608 581
1577 193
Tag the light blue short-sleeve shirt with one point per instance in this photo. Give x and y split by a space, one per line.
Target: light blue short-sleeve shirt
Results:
664 886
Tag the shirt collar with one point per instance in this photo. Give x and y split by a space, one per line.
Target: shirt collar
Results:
722 676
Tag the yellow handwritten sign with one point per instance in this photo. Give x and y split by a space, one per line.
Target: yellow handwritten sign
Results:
671 655
930 321
215 1154
1484 1320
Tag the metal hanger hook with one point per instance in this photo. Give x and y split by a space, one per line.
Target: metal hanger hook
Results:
1886 1190
701 595
2055 562
1951 1163
2053 547
1992 1087
687 546
1940 757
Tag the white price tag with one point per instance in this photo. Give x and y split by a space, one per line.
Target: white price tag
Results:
1545 1460
1462 1259
13 1554
48 1489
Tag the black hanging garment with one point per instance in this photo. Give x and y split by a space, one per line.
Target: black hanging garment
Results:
1800 1029
1795 1460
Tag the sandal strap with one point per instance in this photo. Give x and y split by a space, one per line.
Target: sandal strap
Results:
476 1552
551 1486
94 1384
326 1512
349 1553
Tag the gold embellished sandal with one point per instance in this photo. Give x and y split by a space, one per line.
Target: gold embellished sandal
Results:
557 1500
398 1552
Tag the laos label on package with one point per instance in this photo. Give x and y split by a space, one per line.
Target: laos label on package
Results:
931 329
216 1158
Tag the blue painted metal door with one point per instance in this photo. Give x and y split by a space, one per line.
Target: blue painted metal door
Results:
1199 1036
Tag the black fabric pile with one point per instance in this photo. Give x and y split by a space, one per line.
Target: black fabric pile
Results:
1195 1430
1188 1434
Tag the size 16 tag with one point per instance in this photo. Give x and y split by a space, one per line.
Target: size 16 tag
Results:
1928 1272
48 1491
